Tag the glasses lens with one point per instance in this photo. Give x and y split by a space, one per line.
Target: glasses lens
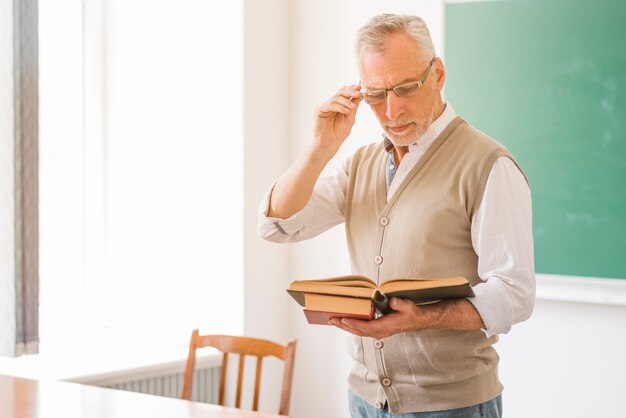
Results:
407 89
374 97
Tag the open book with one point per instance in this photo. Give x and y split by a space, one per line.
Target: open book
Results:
359 297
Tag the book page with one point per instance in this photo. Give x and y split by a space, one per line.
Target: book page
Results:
330 289
396 285
337 304
351 281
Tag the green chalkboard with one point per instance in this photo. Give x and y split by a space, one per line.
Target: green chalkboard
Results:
548 80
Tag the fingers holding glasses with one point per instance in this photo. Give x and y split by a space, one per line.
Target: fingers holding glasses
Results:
335 117
345 101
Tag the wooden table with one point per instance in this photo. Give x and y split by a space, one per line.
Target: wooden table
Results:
26 398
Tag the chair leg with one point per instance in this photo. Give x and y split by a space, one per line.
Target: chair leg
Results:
223 378
285 398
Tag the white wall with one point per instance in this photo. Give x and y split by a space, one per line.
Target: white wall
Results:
266 156
566 361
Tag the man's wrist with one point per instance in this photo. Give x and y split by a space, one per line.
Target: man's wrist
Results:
452 314
431 316
321 153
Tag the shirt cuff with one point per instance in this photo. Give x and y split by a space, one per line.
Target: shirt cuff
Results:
281 229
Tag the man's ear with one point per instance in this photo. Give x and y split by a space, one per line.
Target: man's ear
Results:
440 73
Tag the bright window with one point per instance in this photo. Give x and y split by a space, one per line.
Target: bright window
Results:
141 177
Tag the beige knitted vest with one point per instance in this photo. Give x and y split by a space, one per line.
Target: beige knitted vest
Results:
423 231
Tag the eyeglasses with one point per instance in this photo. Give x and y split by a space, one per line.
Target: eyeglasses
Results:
373 97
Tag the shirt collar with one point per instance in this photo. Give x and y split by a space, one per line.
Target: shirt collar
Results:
433 131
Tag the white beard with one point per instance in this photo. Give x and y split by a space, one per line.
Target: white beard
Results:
420 128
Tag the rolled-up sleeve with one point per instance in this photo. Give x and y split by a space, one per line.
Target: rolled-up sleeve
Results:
502 238
324 210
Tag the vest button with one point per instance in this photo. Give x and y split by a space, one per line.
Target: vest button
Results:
384 221
378 259
378 405
378 344
386 381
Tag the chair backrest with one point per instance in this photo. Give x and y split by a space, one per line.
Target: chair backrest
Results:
243 346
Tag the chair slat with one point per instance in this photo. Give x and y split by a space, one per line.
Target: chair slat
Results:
257 383
239 380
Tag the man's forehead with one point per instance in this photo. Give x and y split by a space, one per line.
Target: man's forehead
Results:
400 61
380 76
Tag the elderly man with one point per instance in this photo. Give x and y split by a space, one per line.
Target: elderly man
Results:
434 198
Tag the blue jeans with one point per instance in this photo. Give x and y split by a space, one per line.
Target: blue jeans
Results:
361 409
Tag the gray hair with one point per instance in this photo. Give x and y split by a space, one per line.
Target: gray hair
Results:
373 35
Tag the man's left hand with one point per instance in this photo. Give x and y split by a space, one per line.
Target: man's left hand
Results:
457 314
406 316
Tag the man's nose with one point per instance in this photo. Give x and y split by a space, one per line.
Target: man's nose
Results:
393 104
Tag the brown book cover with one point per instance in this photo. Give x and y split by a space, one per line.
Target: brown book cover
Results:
359 296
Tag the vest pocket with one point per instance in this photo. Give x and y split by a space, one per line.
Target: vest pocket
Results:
439 357
354 347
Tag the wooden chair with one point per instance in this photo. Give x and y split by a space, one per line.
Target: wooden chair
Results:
243 346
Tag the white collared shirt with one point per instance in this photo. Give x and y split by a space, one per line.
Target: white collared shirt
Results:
501 230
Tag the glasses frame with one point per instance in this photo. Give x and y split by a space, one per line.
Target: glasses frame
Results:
419 83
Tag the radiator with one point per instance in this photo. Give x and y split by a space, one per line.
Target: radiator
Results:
205 385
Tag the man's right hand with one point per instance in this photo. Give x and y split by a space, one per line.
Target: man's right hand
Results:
334 119
333 122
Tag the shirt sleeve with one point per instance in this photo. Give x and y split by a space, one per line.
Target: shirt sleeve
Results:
324 210
502 238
